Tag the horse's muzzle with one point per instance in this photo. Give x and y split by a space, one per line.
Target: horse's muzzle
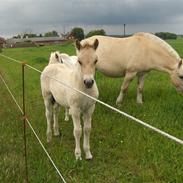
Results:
88 83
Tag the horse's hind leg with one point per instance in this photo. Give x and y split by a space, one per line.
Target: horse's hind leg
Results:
66 114
127 80
140 87
49 117
56 109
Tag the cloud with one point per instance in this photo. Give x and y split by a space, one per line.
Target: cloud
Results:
40 15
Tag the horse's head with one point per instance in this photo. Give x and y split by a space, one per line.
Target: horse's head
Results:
87 58
177 77
55 58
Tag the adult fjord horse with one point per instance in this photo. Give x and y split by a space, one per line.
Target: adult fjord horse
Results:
134 56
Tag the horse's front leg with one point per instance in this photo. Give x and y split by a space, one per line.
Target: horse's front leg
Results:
140 87
87 117
77 131
127 80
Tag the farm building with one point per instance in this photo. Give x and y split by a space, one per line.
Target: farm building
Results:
37 41
2 42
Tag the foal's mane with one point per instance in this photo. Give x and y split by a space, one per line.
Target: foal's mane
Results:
161 42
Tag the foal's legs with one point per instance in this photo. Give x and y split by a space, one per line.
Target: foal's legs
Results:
49 116
66 114
77 131
56 109
87 116
127 80
140 87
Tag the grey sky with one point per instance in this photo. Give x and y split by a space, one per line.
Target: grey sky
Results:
17 16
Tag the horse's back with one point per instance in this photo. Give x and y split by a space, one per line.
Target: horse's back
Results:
140 52
113 54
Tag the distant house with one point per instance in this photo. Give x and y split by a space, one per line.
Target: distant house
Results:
2 43
36 41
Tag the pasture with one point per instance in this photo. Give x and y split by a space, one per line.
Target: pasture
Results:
123 151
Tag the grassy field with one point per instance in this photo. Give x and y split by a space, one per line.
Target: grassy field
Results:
124 152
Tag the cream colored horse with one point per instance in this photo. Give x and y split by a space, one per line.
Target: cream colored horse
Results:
55 95
133 56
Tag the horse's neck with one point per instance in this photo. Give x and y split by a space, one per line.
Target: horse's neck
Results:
167 65
77 77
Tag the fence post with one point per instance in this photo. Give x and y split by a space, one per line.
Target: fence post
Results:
24 120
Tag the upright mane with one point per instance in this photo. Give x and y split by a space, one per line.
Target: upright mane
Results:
87 43
162 43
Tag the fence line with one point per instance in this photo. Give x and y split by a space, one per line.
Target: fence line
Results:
28 122
106 105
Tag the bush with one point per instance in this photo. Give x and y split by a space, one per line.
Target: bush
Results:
166 35
77 33
96 32
51 34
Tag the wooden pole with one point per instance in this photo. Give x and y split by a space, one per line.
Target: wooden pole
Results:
124 30
24 120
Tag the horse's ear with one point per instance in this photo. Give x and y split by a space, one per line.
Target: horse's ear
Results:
56 56
96 43
180 63
78 44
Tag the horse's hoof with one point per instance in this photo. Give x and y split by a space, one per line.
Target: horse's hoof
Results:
139 102
56 134
79 158
89 157
66 118
48 140
118 103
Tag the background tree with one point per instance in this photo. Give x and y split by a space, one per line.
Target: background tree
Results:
77 33
29 35
166 35
51 34
96 32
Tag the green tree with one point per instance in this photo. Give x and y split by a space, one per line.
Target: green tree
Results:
166 35
51 34
29 35
77 33
96 32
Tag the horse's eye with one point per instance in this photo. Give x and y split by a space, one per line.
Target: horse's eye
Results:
79 62
95 61
181 77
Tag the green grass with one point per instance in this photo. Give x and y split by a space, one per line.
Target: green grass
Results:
123 151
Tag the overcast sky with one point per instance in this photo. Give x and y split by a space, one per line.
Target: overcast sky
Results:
39 16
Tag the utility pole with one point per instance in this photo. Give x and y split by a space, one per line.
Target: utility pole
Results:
124 29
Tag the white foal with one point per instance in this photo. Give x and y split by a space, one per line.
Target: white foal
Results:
55 95
70 61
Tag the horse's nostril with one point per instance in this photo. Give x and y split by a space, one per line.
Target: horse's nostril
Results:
88 83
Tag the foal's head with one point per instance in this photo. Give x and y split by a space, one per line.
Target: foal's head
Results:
177 77
87 58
